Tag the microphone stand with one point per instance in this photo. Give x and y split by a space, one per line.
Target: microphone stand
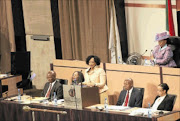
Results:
75 93
81 80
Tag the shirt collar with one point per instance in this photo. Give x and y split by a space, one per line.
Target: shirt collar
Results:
163 97
130 90
162 48
53 83
95 67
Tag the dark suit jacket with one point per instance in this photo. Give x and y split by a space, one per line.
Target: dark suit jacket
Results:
135 99
56 88
166 104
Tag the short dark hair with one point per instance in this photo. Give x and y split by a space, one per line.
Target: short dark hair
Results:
164 87
96 59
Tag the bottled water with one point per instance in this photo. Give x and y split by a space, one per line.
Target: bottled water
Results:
106 105
19 95
145 62
149 110
55 99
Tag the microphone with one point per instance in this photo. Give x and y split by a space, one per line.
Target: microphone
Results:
144 52
152 61
151 53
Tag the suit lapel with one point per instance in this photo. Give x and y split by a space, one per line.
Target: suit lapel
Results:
124 96
46 88
163 102
132 97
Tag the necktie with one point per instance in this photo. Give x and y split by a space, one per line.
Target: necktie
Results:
127 99
49 91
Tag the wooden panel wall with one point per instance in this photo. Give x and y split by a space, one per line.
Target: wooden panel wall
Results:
143 76
65 68
171 76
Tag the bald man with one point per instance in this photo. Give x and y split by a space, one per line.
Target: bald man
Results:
130 96
52 86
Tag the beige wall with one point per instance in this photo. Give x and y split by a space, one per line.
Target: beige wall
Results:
144 22
42 54
38 21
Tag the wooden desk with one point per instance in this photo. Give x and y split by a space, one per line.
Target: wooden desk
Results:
11 82
12 111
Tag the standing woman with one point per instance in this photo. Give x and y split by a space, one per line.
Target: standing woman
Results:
96 76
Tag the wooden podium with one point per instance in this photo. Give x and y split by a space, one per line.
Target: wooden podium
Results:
11 82
77 98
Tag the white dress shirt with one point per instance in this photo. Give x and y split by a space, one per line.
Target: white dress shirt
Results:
158 102
130 91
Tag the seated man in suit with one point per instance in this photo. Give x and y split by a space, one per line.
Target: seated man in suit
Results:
130 96
52 86
163 101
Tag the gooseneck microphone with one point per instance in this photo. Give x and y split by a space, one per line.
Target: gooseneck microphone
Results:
144 52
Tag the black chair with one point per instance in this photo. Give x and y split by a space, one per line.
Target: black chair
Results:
62 81
174 41
173 97
141 90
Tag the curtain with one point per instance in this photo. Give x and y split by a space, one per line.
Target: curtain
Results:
7 43
84 28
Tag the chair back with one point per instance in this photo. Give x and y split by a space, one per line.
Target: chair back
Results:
174 41
173 97
141 90
62 81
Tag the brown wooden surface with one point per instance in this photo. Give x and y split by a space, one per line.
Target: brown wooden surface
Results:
11 83
83 97
15 113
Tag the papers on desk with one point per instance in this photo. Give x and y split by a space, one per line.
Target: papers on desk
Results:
117 107
26 99
140 112
3 75
146 112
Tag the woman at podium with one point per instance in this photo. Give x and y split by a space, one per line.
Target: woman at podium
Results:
96 76
162 53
